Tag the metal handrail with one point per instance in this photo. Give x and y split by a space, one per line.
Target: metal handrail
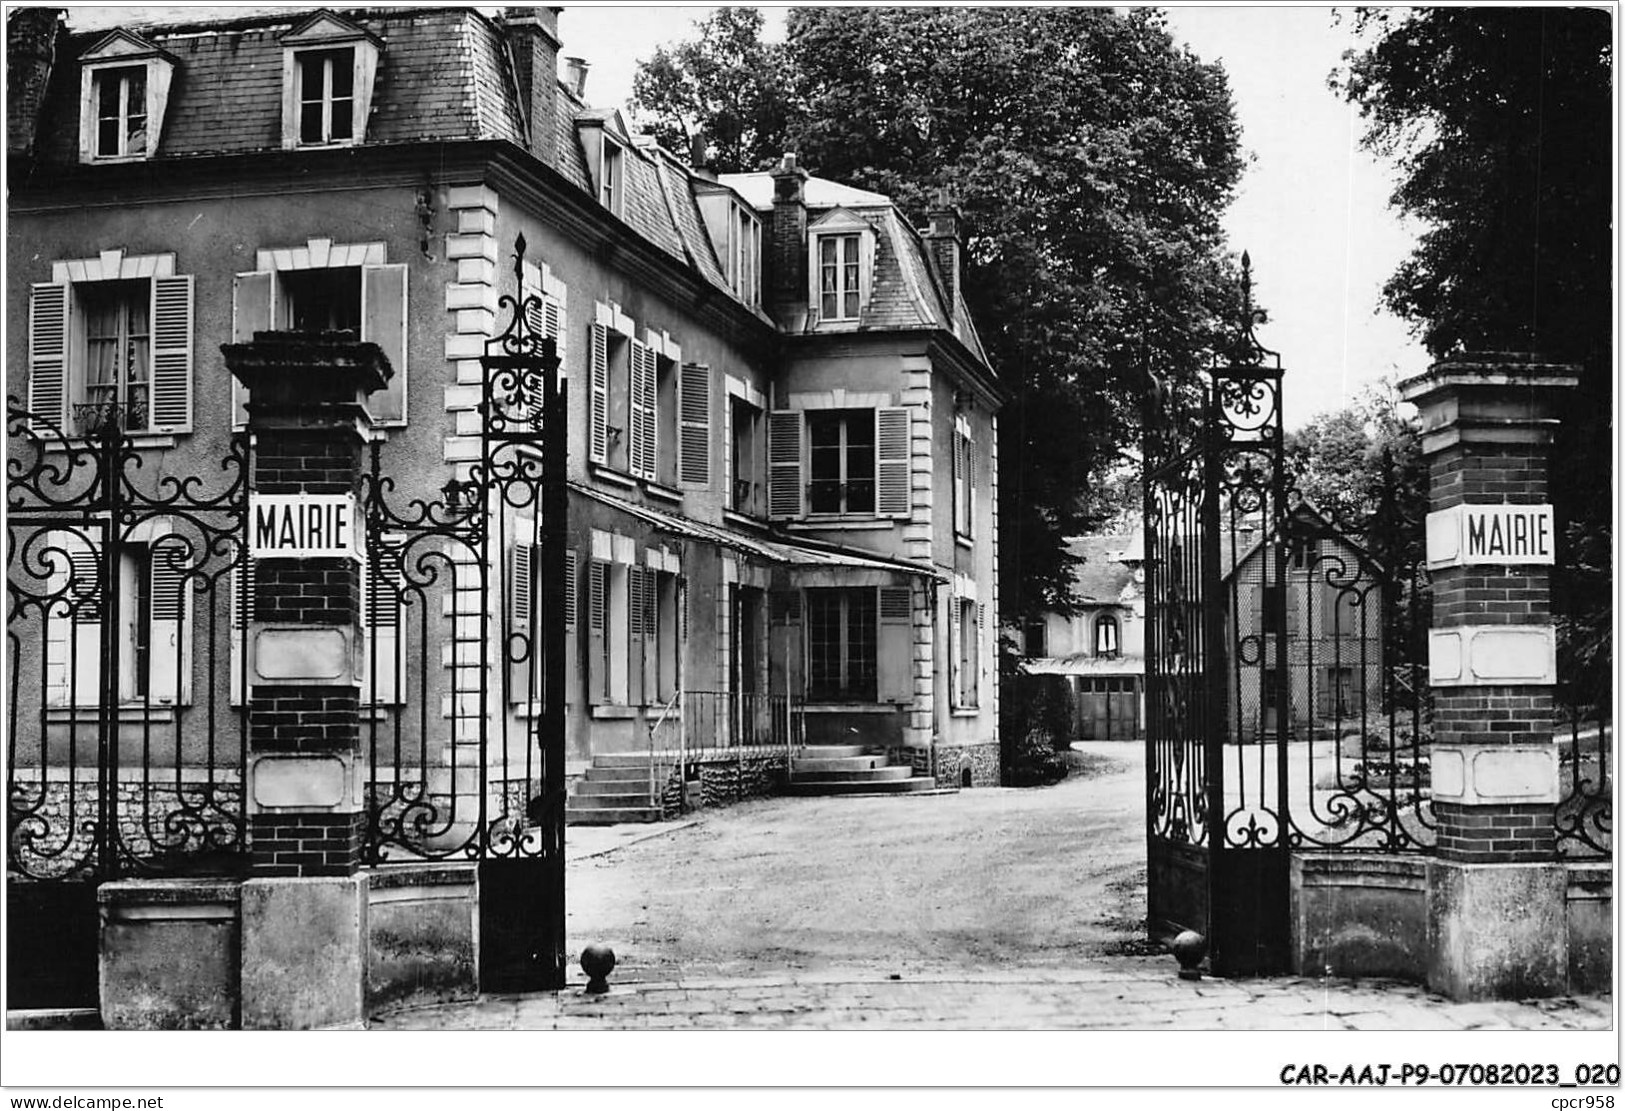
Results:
665 712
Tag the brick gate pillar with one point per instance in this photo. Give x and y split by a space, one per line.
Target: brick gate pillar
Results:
1496 911
304 906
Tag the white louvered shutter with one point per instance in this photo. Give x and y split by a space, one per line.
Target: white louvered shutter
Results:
522 630
694 431
172 317
48 354
383 679
892 495
785 489
572 676
896 655
383 321
73 626
242 609
959 482
598 400
635 632
170 655
597 601
251 311
640 410
651 418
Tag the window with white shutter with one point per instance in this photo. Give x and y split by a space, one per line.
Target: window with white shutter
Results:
150 632
784 482
118 349
598 394
694 431
383 671
48 353
642 452
893 498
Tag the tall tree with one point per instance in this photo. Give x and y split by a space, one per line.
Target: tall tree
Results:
1092 159
724 88
1500 122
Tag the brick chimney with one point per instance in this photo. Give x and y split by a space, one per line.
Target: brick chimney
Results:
788 239
575 76
533 37
942 236
30 50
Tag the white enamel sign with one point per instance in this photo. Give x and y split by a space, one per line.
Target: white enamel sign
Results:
302 526
1465 535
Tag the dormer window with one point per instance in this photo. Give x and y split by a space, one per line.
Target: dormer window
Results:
736 235
121 112
838 273
610 178
329 67
841 269
124 89
326 96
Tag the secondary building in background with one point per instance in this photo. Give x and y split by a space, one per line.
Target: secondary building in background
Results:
1328 593
764 372
1099 650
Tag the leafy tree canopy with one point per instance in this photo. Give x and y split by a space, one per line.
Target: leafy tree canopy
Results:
1091 159
1500 122
724 88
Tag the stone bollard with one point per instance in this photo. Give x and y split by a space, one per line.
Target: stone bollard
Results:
1496 892
304 906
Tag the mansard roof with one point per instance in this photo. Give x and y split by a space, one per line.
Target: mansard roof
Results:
446 75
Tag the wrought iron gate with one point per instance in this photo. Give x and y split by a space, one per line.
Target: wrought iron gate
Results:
125 736
464 734
127 633
1286 686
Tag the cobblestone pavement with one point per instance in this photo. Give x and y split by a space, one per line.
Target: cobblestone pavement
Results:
1130 993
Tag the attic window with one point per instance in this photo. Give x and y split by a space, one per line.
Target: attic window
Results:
841 267
610 181
123 91
329 66
121 112
326 96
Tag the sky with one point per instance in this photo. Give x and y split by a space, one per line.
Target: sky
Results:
1312 208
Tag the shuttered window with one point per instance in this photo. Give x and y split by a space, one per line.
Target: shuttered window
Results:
964 483
855 462
112 350
784 486
598 394
694 425
370 300
641 453
151 631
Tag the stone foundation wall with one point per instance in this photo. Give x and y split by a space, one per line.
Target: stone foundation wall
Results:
196 829
981 760
724 781
1366 914
423 944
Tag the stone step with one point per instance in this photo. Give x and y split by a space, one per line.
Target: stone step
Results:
858 787
610 817
620 760
596 786
613 801
813 765
827 752
866 775
631 774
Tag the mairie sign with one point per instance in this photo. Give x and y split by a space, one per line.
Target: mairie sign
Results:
1476 534
302 526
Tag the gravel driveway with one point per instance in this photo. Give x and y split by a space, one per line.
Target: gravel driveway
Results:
980 879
